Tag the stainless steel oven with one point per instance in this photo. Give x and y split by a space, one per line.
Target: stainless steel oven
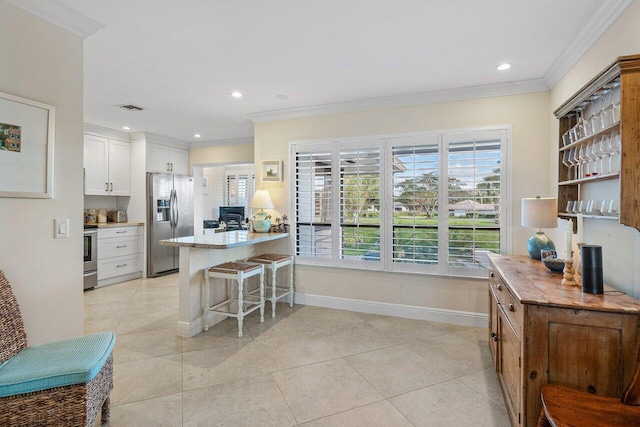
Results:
90 257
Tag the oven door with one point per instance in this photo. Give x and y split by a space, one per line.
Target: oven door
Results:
90 250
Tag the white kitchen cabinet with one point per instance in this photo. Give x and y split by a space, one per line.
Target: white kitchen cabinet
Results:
107 166
167 159
120 254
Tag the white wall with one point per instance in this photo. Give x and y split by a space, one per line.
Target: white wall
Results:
530 176
44 63
620 244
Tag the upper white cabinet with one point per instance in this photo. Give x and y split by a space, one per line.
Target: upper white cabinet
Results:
107 166
167 159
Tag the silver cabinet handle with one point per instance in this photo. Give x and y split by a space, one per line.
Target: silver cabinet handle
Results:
111 187
120 232
121 265
168 170
106 186
171 167
121 246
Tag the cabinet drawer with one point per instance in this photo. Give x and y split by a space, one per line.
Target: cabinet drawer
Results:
108 233
512 307
118 266
109 248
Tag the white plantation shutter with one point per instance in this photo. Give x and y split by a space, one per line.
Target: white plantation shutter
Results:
424 203
240 188
313 202
416 176
360 197
474 198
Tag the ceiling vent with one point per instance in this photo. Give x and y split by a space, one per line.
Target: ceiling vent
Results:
130 107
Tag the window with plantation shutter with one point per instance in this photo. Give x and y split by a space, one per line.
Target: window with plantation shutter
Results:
313 203
416 180
360 199
240 187
474 165
422 203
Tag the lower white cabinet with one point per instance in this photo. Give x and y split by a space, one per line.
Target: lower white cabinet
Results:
120 254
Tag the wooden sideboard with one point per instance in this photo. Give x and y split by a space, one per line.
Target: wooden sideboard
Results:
543 332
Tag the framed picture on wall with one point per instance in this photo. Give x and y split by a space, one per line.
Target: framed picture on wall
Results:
272 170
26 147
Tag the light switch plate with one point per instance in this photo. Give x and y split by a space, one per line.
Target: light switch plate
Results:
61 228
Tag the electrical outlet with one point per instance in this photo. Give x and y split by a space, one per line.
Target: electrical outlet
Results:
61 228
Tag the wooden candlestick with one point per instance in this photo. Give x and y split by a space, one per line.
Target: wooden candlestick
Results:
568 277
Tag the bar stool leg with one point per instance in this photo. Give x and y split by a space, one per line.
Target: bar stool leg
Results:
240 302
262 295
273 289
291 284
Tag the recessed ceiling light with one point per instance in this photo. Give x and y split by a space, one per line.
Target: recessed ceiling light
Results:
281 96
197 135
503 67
126 128
236 94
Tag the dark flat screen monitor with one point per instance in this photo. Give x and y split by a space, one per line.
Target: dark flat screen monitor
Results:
238 210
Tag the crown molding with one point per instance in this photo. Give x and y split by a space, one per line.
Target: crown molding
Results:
59 14
161 139
108 132
222 142
591 32
447 95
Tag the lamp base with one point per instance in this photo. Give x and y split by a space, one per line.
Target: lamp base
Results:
537 242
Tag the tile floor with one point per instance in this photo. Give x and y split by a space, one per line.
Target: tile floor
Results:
309 366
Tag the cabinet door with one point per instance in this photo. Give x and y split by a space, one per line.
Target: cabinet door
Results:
157 158
179 160
96 173
119 168
509 370
493 328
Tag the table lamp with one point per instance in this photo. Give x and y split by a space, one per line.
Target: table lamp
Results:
261 200
540 213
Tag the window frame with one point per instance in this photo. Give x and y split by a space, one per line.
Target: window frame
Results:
386 264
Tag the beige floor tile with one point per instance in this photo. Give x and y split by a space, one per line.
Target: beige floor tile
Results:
378 414
327 319
396 370
323 389
453 354
359 338
104 324
167 280
218 335
285 353
143 322
371 316
145 345
111 293
257 402
277 327
105 309
450 404
408 330
163 411
151 292
150 305
146 379
218 365
486 383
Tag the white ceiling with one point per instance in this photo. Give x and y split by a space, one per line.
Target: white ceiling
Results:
181 59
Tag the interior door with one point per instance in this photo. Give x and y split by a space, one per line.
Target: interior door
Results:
159 258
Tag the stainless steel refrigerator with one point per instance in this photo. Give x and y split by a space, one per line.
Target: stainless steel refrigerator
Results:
170 215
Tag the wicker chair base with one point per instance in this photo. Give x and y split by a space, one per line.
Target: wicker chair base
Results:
74 405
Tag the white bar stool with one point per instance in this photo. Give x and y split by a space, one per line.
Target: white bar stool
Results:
273 262
238 271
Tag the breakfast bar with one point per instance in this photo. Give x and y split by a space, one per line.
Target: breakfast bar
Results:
200 252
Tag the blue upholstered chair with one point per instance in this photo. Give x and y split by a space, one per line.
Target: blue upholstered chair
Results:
59 383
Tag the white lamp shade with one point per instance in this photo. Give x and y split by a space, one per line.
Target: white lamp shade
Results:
540 212
261 200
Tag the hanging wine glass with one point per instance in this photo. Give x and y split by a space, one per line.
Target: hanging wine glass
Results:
596 106
582 158
567 162
615 148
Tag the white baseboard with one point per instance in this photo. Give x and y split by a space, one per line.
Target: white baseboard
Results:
190 329
464 318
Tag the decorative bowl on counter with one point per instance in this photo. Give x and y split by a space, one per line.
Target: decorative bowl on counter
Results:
554 264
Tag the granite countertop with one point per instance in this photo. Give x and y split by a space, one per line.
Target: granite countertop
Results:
230 239
118 224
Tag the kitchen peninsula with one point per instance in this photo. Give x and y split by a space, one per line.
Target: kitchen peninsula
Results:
200 252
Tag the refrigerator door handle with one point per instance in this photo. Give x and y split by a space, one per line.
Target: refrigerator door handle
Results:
171 212
175 201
